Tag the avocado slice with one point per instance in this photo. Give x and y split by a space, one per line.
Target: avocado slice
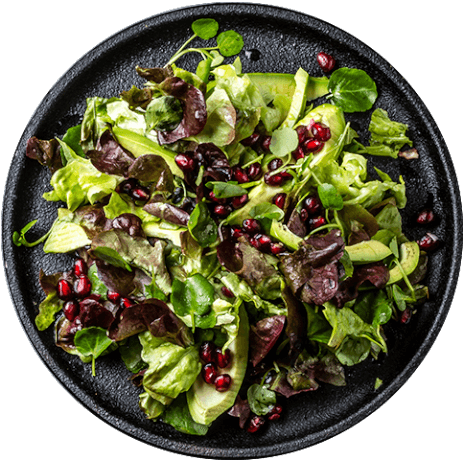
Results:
409 258
272 84
204 402
298 99
367 251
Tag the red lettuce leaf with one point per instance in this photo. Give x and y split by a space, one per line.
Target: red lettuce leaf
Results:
263 337
47 153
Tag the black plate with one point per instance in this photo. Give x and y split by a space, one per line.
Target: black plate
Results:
286 40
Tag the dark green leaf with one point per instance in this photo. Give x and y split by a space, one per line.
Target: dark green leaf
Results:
352 90
230 43
330 197
178 416
205 28
131 354
201 226
111 256
223 190
261 399
164 113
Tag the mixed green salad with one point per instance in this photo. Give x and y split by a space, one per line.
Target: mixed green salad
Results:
229 244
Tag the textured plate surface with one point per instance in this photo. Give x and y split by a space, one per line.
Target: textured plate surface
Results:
286 40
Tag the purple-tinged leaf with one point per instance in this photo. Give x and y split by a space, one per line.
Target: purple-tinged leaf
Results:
263 337
47 153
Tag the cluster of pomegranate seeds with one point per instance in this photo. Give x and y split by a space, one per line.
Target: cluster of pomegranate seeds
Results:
326 61
134 190
258 142
311 139
214 358
257 421
311 213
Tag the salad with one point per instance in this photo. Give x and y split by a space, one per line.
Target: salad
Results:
231 244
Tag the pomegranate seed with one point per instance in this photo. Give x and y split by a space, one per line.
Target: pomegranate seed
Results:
212 197
127 186
298 153
71 310
276 248
140 193
277 409
236 232
239 201
226 292
320 132
222 211
251 140
266 143
279 200
274 164
276 180
206 351
302 133
274 416
222 357
425 217
312 204
255 423
254 171
185 162
429 242
254 242
264 242
80 267
64 290
209 373
126 302
82 286
325 61
304 215
113 296
222 382
406 316
251 226
313 145
316 222
240 175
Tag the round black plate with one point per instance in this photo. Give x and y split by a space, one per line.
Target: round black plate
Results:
285 41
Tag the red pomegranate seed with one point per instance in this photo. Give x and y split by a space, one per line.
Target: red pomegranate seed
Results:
251 140
212 197
236 232
425 217
222 382
264 242
251 226
406 316
254 171
222 211
126 302
80 267
113 296
127 186
279 200
206 351
429 242
71 310
222 358
298 153
274 416
316 222
274 164
240 175
266 143
209 373
302 132
304 215
254 242
312 204
226 292
325 61
277 409
255 423
320 132
185 163
141 193
82 286
313 145
273 180
239 201
64 290
276 248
